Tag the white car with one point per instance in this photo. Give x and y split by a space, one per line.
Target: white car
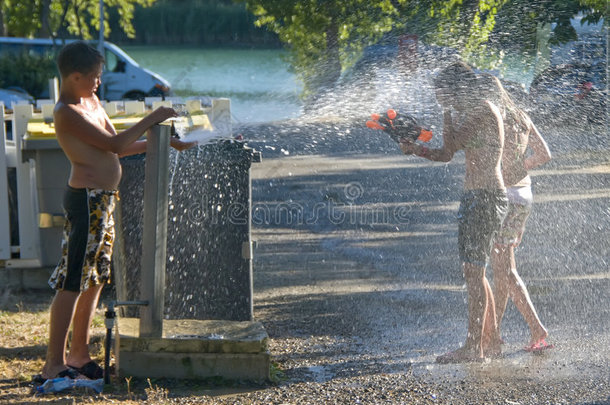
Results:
122 77
14 95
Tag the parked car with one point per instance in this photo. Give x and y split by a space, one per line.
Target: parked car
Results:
122 77
14 95
574 93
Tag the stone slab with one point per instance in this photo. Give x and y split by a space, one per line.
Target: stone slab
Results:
251 367
195 336
194 349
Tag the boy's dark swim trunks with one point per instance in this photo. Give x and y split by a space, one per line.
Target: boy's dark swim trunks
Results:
87 241
479 219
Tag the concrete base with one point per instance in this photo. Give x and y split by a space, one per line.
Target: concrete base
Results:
25 278
194 349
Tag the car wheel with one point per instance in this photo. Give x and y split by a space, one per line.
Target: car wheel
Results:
134 95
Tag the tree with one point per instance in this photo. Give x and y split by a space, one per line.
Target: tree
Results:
52 18
324 36
486 33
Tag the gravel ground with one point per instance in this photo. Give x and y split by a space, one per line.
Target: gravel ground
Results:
357 282
357 309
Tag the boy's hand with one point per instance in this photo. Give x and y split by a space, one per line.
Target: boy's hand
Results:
162 113
179 145
407 146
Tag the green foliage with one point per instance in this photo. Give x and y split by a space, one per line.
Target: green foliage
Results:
197 22
324 36
467 26
81 18
276 374
30 72
21 17
484 30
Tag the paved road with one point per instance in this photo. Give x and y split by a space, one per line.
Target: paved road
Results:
357 259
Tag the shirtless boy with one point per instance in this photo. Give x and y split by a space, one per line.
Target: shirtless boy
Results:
93 147
472 123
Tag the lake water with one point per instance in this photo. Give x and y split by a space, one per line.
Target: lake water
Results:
262 88
258 81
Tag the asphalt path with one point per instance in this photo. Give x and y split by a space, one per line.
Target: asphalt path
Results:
359 243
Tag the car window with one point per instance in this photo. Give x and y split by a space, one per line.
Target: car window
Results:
112 61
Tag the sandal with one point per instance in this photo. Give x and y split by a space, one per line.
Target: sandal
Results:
90 370
69 372
539 346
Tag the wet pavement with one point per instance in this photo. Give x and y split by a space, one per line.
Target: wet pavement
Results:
356 267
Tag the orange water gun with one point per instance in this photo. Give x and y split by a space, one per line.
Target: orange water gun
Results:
400 128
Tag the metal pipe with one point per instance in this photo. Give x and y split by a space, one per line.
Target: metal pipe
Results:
109 320
154 232
154 243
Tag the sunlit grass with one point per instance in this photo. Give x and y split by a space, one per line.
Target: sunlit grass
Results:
24 329
24 336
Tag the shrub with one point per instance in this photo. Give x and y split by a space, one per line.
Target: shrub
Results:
30 72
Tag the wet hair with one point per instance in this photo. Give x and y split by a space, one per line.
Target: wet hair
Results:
513 116
78 57
456 77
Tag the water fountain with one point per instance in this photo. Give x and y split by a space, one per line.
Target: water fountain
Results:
213 335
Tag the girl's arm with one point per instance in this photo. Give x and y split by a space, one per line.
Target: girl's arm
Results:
542 153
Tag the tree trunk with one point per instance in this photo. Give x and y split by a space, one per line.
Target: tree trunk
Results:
3 27
328 70
45 27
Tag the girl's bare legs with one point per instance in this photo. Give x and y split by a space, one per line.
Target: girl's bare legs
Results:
508 283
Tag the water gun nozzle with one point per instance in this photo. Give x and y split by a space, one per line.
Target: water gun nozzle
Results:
425 135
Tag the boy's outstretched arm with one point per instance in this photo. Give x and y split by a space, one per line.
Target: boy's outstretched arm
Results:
69 120
444 154
140 146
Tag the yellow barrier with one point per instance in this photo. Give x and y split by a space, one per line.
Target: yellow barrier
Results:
39 129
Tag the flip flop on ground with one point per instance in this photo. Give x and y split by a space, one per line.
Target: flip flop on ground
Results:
69 372
539 346
90 370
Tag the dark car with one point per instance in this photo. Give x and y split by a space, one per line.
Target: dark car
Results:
570 93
